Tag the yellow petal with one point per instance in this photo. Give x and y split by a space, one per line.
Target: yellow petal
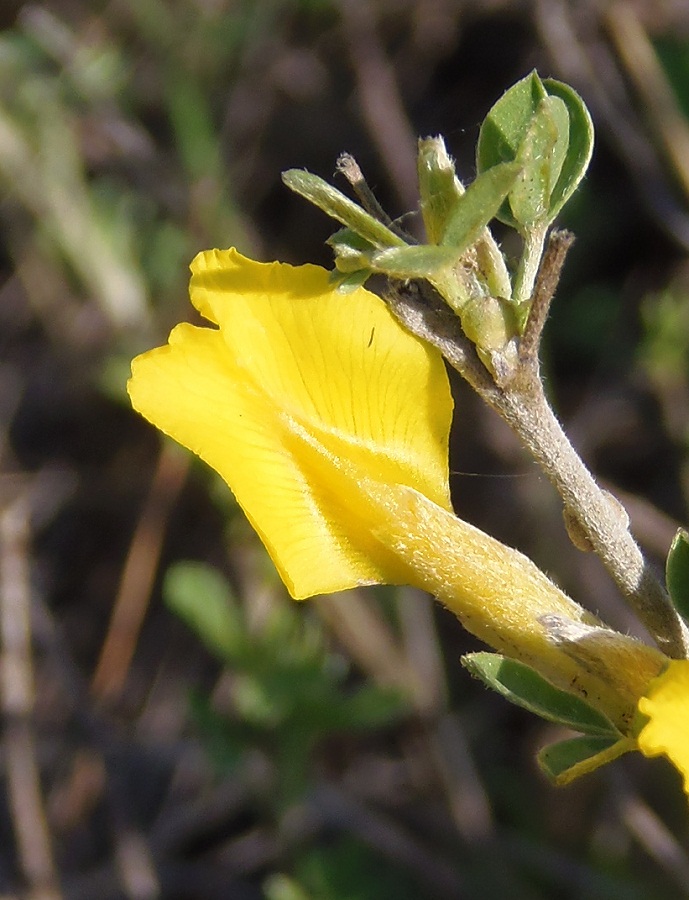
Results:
291 353
667 706
497 593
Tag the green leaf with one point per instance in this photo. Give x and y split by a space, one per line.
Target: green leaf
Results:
439 187
478 205
348 261
341 208
346 283
345 238
521 126
580 147
504 127
524 686
200 596
352 252
413 262
677 573
566 760
541 153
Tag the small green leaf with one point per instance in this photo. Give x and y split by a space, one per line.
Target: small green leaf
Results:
346 238
348 260
677 573
488 322
541 153
580 143
341 208
524 686
510 133
478 205
352 252
346 283
439 187
504 127
200 596
413 262
566 760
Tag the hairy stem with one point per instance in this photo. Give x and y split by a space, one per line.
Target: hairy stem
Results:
527 270
600 518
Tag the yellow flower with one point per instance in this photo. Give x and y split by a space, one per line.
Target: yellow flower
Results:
666 705
330 424
290 356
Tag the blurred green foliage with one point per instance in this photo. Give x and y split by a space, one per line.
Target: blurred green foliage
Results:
673 53
288 694
665 346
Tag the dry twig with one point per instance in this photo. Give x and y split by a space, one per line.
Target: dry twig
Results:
23 776
138 575
380 100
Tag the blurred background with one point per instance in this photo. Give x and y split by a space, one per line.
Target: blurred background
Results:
174 727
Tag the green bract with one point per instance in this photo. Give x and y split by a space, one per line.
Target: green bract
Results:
478 205
439 188
420 261
566 760
341 208
525 687
563 761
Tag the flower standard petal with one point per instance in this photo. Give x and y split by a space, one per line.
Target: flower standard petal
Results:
340 362
666 704
291 350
